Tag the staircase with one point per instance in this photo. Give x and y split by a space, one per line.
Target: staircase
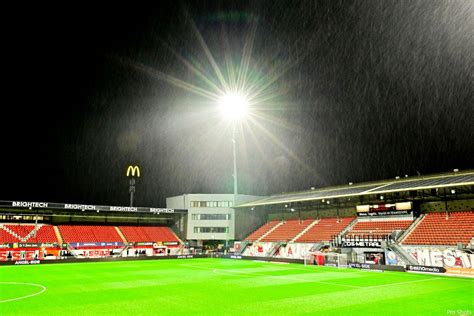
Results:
412 227
316 247
124 249
58 235
274 249
268 232
176 236
243 246
33 232
305 230
348 228
119 232
407 258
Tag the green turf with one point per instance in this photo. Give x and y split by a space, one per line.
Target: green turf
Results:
226 287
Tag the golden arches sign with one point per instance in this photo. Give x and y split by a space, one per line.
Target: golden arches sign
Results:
133 170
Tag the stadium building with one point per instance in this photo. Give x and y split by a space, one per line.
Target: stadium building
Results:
422 220
209 216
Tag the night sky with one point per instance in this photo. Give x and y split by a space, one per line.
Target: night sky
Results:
349 91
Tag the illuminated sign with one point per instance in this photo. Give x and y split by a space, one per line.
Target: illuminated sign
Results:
79 206
124 208
161 210
133 170
90 207
29 204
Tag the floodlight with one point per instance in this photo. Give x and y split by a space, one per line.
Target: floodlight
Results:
234 106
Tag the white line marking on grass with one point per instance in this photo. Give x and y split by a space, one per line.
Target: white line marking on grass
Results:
43 288
398 283
282 277
269 276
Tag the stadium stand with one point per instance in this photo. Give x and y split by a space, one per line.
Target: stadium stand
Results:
325 229
436 229
81 233
148 234
262 230
44 234
11 233
378 228
7 237
288 230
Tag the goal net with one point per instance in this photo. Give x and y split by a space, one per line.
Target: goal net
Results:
326 259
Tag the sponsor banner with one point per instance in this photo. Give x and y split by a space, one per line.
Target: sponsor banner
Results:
6 246
89 207
19 255
425 269
289 250
383 213
37 245
293 250
362 244
96 244
92 253
447 257
145 243
170 243
258 249
391 258
401 206
377 267
185 257
27 262
235 257
460 271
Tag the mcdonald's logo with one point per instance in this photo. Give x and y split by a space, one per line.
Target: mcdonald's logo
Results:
133 170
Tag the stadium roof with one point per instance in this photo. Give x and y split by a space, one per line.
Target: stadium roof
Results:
368 188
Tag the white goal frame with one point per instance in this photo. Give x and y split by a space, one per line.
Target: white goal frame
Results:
333 259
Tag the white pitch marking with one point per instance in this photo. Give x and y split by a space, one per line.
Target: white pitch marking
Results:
283 277
26 296
398 283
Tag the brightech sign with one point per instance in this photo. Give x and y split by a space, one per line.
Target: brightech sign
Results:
133 170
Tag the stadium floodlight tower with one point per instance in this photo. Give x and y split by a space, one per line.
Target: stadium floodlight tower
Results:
234 107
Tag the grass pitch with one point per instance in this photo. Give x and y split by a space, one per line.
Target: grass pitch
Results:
225 287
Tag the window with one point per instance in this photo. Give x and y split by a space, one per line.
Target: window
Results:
211 217
211 229
211 203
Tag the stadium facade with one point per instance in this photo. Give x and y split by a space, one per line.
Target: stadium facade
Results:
401 222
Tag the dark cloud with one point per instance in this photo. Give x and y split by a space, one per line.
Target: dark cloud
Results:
370 90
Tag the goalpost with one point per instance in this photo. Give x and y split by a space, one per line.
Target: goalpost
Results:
326 259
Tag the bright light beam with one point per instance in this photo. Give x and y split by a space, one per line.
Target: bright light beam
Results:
233 106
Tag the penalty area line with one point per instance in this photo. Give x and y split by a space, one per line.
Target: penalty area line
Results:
216 271
399 283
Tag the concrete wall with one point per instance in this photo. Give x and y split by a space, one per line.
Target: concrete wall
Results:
320 213
185 202
453 206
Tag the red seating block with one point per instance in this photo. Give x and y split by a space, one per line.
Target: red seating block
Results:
436 229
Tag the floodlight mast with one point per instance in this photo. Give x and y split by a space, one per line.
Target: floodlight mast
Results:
235 160
234 107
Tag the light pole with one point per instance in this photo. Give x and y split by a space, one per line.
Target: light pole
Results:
235 160
234 107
